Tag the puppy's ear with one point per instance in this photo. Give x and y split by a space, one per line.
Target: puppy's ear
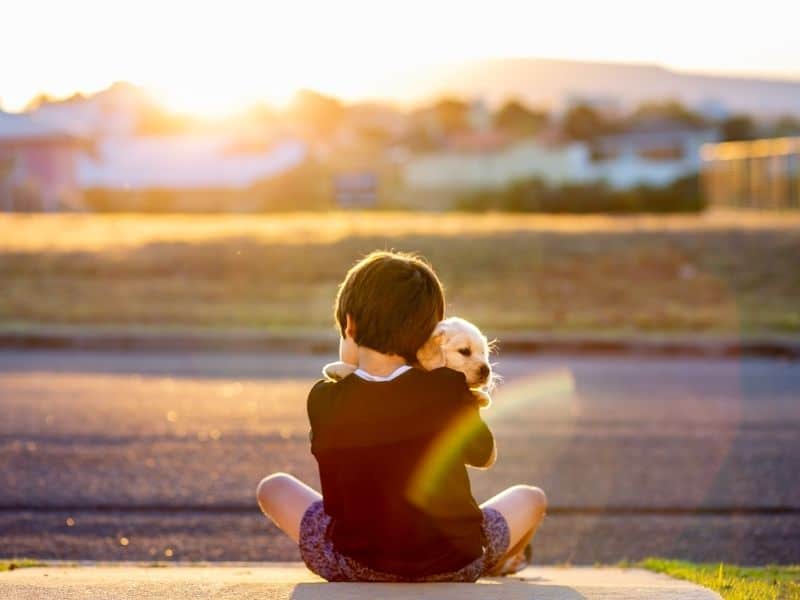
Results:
430 356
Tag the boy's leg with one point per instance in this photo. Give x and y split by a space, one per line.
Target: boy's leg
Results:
523 507
285 499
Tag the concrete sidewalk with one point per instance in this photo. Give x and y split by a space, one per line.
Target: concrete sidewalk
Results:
279 581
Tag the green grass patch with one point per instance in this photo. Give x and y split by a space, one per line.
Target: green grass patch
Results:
18 563
735 583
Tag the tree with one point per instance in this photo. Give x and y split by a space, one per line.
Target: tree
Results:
322 114
582 122
517 119
452 115
37 101
787 126
739 127
671 110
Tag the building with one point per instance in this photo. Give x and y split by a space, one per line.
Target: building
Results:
190 161
654 154
185 173
38 164
490 160
115 111
44 168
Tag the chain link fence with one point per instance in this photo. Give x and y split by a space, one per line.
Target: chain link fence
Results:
762 174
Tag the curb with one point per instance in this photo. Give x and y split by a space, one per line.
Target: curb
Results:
317 343
654 346
194 341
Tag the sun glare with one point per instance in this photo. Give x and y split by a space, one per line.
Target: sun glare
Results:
213 57
203 101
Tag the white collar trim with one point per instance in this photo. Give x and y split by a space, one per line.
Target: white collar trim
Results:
370 377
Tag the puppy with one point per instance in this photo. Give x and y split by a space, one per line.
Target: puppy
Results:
456 344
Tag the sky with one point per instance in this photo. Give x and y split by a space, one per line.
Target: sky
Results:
216 57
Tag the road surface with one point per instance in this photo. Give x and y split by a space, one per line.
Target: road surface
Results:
144 456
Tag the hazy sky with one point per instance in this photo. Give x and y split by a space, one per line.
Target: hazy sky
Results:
217 56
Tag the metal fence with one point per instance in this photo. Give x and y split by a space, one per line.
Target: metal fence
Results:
758 174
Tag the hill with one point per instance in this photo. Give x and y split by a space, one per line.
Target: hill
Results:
549 82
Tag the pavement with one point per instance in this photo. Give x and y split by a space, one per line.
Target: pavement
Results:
294 582
155 455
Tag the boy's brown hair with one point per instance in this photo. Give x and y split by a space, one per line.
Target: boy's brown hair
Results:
395 300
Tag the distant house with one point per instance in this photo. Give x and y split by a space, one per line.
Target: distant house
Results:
114 111
44 168
491 160
38 164
208 172
651 155
656 153
126 169
187 161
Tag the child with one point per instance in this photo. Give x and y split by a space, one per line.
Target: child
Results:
392 442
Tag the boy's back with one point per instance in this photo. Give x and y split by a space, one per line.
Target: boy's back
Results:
391 458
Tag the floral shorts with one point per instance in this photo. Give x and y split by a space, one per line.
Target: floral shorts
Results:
321 557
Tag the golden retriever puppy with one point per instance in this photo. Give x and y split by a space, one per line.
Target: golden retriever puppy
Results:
455 343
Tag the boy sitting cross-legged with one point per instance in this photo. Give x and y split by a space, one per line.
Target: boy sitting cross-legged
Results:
392 441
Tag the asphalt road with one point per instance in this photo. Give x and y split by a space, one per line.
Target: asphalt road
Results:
690 458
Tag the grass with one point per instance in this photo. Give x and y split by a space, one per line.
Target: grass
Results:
735 583
731 273
18 563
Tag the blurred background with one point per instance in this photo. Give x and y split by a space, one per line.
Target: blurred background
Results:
611 189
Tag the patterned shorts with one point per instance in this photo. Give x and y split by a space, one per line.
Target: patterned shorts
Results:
321 557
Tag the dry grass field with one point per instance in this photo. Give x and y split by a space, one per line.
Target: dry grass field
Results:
720 272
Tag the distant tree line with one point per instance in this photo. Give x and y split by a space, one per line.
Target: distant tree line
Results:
584 122
319 116
535 195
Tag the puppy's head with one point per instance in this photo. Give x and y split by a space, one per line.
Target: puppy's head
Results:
461 346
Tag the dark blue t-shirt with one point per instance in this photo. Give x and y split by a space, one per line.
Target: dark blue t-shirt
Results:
392 458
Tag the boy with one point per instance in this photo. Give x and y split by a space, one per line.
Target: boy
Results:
392 442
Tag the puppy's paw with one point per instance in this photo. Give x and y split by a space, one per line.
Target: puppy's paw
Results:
336 371
483 397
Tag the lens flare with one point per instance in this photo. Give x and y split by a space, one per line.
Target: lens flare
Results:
552 385
447 447
443 451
